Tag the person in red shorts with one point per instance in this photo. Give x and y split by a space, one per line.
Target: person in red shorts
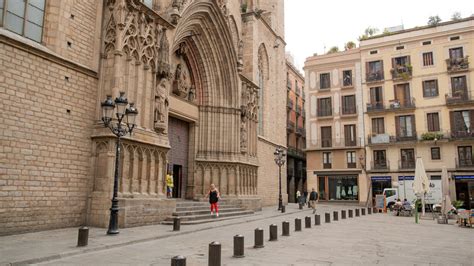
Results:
214 196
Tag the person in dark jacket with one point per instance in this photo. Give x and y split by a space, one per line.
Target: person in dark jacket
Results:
214 197
313 198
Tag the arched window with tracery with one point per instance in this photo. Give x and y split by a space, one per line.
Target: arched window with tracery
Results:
262 77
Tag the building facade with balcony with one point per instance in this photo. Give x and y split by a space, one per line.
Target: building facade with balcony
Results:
335 142
417 96
296 133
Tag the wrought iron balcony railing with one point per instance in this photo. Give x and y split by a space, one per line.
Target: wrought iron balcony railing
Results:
457 64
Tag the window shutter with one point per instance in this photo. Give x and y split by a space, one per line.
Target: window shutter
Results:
394 62
472 121
413 124
408 60
451 121
429 117
397 125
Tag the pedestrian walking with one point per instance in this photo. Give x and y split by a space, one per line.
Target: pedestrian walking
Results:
298 197
169 185
214 197
313 198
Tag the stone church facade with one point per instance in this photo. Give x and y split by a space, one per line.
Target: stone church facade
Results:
207 77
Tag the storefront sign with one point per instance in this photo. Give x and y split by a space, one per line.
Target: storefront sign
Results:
407 177
381 178
463 177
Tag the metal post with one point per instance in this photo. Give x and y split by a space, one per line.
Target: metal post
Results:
83 236
178 261
307 222
258 239
343 214
327 217
369 210
362 210
286 228
113 222
351 214
297 224
357 212
273 232
301 205
280 198
239 246
176 224
335 215
317 219
283 209
374 209
215 254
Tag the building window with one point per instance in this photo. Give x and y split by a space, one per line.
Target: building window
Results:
380 160
375 70
459 87
378 126
433 122
327 160
426 43
324 106
374 52
400 47
23 17
465 156
455 53
350 135
348 104
324 81
407 158
326 137
428 59
430 88
376 98
462 123
454 38
435 153
351 159
148 3
405 127
347 78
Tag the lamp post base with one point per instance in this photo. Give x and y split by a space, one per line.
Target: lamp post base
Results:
113 222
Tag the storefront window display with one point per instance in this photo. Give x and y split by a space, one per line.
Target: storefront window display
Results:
343 188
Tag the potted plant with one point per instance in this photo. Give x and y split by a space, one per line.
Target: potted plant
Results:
243 7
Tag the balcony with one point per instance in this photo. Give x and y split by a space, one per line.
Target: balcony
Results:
459 98
375 107
298 91
324 113
348 111
465 163
337 143
290 126
374 76
380 165
289 104
403 72
465 134
379 139
405 136
327 165
406 164
402 104
347 83
298 109
457 64
300 131
384 139
434 136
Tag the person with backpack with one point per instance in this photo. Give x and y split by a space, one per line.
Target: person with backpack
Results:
313 198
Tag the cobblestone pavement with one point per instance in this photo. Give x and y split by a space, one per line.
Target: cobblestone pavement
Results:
370 239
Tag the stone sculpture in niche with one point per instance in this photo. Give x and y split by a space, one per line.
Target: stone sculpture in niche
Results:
161 106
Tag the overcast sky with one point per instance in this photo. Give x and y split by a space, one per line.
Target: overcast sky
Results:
312 25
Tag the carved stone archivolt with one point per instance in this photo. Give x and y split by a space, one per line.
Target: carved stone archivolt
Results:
183 83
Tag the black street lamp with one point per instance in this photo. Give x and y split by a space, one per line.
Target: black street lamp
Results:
119 130
280 161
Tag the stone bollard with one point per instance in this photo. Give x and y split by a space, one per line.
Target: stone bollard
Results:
258 238
357 212
176 224
283 209
273 232
327 217
369 210
286 228
362 210
178 261
335 215
83 236
307 222
343 214
239 246
351 214
317 219
215 254
301 206
297 224
374 210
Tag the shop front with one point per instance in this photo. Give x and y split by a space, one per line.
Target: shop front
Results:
338 187
465 190
379 183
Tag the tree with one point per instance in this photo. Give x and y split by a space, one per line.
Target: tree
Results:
434 20
456 16
350 45
333 49
369 32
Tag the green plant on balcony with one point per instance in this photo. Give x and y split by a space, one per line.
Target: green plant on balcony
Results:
432 136
243 7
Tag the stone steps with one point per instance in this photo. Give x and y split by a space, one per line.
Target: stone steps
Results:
195 212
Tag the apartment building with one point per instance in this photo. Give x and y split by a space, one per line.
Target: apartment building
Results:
416 100
335 145
417 90
296 132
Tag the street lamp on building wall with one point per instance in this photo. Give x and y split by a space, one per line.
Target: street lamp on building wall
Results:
119 129
280 161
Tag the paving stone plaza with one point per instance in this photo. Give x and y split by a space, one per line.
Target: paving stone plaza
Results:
367 239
